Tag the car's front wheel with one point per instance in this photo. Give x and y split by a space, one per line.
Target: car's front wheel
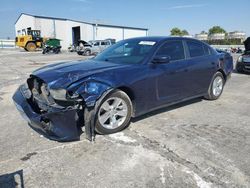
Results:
216 87
87 53
114 113
239 68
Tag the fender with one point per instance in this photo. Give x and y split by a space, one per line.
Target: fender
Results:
89 116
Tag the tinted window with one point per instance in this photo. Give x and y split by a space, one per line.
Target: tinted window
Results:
96 44
103 43
195 49
206 50
173 49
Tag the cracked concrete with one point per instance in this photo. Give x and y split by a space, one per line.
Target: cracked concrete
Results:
198 143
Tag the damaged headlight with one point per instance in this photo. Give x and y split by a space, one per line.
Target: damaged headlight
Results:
25 91
58 94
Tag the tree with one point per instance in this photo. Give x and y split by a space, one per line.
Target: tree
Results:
178 32
184 32
216 29
203 32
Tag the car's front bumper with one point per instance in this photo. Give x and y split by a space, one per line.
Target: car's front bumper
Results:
58 124
245 66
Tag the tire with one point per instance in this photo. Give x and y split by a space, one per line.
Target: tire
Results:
239 68
46 50
56 50
111 107
79 53
31 47
87 53
216 86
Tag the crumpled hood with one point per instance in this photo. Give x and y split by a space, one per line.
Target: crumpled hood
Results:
61 75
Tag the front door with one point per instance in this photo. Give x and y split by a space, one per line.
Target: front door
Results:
171 82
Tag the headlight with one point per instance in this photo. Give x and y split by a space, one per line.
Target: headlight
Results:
240 59
58 94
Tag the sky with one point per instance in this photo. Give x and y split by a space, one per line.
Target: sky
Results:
159 16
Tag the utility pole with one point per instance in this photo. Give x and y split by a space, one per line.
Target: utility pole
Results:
97 22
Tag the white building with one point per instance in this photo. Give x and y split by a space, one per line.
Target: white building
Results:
217 36
237 35
70 31
188 36
201 36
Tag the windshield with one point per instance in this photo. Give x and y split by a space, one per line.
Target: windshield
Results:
131 51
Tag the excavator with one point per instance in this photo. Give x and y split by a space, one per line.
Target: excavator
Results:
30 41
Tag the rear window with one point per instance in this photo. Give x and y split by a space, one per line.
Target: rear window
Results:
206 50
195 49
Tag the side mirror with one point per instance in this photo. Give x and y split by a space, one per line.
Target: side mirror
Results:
161 59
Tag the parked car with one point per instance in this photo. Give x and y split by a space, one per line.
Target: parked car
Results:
243 62
93 46
131 78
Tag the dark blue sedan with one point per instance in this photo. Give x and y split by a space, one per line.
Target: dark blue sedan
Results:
130 78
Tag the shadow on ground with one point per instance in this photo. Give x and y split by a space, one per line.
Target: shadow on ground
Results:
236 72
166 109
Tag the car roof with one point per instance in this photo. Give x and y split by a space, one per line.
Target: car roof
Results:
163 38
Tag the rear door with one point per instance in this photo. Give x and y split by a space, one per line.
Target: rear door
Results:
201 67
104 45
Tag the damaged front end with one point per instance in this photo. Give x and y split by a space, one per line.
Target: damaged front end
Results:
58 114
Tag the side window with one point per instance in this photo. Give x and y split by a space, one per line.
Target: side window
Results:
96 43
195 49
206 50
103 43
23 32
173 49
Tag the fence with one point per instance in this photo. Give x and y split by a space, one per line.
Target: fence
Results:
5 43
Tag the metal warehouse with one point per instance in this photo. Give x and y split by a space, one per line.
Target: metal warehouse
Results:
70 31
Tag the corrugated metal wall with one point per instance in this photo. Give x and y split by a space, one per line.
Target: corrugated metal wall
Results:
62 29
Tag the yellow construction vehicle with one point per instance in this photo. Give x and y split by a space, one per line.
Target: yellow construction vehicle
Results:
31 41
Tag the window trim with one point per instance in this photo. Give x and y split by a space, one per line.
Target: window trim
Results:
209 48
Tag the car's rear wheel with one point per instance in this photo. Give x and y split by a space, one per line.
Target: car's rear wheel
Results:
216 87
114 113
